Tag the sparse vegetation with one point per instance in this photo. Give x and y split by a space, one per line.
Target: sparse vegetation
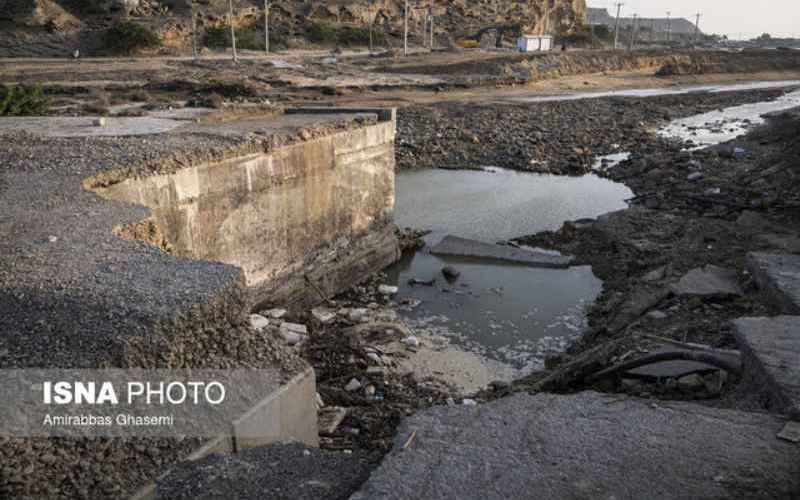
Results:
344 35
128 37
219 37
23 101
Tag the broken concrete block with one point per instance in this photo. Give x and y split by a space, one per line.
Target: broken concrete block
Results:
452 245
357 314
691 383
353 385
708 281
276 313
770 350
411 341
779 276
790 432
294 327
329 419
323 315
592 444
387 289
258 322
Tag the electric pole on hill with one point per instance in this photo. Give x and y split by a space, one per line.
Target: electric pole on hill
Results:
431 14
194 31
633 32
405 28
669 25
233 32
616 25
697 28
266 26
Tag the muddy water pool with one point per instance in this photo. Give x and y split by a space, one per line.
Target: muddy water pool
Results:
509 313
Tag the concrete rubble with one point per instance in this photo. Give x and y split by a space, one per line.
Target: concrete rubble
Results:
461 247
586 445
708 281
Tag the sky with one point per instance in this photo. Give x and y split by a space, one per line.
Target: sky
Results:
725 17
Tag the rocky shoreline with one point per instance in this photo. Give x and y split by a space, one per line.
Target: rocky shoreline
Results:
673 264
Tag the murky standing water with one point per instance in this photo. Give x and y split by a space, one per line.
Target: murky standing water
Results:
511 313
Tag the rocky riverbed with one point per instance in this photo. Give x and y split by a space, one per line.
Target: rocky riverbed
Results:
548 137
673 264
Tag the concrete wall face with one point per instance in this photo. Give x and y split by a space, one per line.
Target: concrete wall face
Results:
268 212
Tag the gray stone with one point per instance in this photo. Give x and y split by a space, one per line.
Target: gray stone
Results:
329 419
790 432
691 383
323 315
694 176
657 315
708 281
294 328
452 245
276 313
654 275
353 385
586 445
779 276
258 321
771 358
387 289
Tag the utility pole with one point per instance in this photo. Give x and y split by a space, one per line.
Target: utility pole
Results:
697 28
405 29
194 31
633 32
652 30
233 31
266 26
431 13
669 26
616 25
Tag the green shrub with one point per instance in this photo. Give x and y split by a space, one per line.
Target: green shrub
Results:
23 101
217 37
322 33
128 37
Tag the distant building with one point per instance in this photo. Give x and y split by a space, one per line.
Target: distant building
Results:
534 43
676 25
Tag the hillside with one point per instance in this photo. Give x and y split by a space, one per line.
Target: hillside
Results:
57 27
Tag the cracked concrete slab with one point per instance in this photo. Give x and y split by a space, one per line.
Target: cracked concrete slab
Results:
779 276
462 247
708 281
586 445
771 356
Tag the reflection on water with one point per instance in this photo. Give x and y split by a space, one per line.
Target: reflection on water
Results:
654 92
511 313
718 126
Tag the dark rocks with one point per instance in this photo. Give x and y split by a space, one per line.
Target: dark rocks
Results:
450 273
285 471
